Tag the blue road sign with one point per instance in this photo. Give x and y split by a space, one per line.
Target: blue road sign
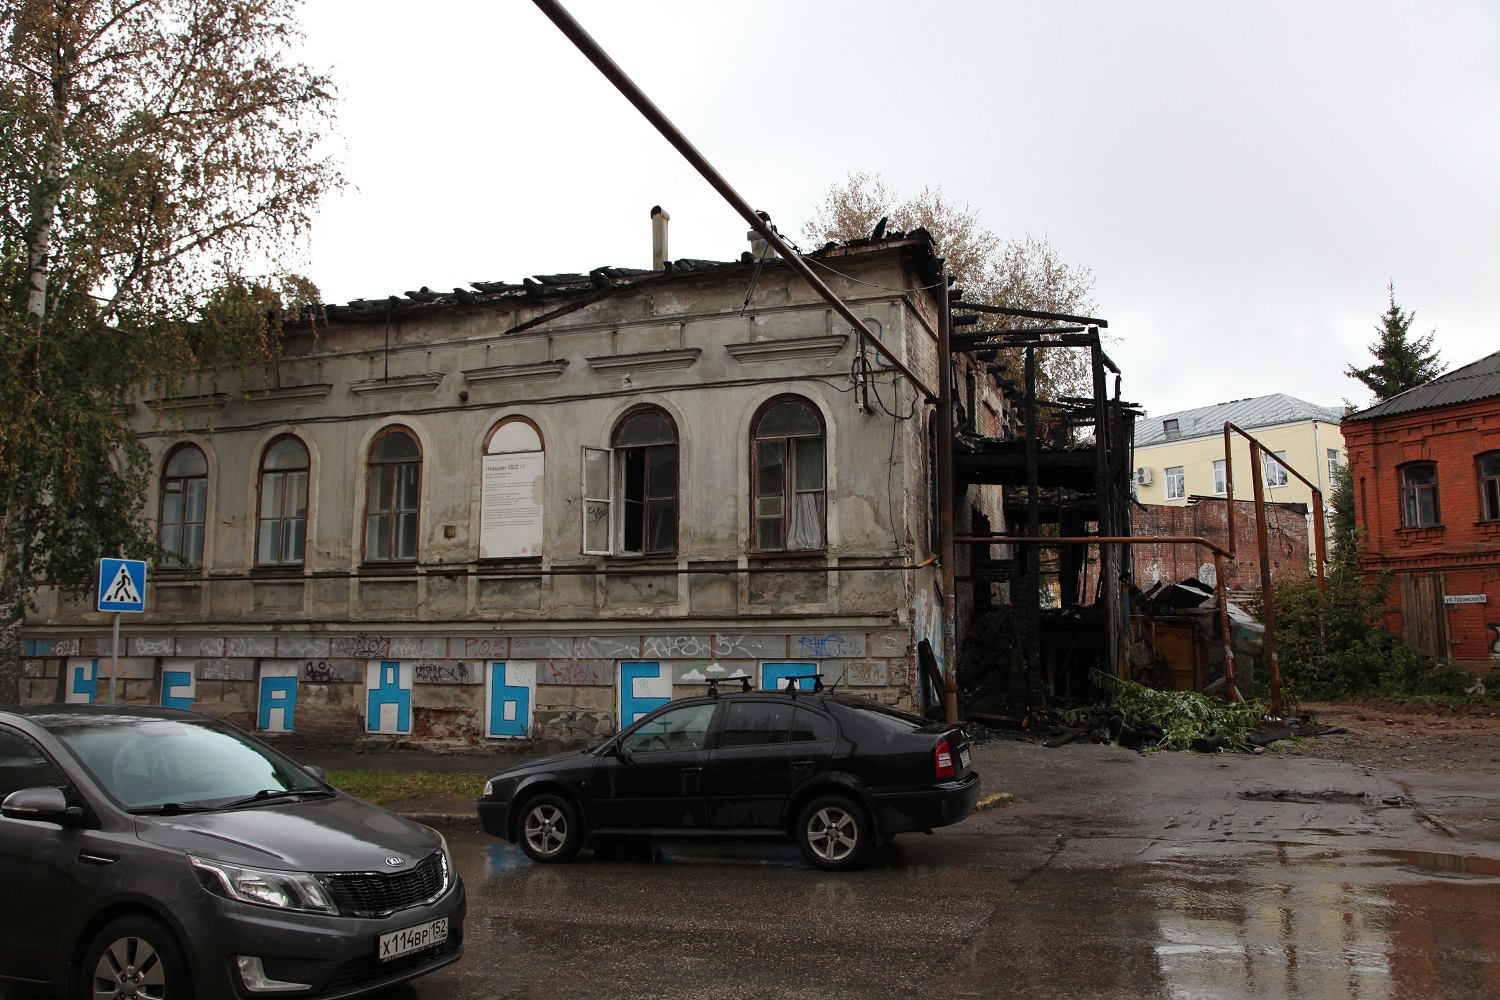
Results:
122 585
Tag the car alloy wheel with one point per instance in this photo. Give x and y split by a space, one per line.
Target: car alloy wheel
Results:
833 834
134 957
550 831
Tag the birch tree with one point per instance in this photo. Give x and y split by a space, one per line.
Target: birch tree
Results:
159 162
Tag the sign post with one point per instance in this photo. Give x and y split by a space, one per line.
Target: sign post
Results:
122 588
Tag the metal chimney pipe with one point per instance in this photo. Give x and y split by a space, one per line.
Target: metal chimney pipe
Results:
659 220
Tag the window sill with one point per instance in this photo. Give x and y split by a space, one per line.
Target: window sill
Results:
774 555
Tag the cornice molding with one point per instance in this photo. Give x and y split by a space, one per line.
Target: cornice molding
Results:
422 382
647 361
542 371
761 351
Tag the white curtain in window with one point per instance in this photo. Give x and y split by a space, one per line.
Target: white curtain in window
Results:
807 523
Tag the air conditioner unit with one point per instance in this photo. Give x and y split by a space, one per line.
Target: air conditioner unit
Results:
1143 476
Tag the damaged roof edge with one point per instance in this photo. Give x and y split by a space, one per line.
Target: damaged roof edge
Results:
599 282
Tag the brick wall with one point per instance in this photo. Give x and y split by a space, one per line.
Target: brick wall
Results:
1461 554
1286 525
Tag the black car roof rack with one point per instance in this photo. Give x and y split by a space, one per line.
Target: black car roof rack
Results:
791 682
714 682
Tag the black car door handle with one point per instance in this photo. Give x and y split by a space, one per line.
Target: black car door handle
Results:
804 762
692 770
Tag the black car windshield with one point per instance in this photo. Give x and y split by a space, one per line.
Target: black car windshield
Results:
143 762
889 719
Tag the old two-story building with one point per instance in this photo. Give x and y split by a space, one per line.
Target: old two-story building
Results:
539 510
1426 471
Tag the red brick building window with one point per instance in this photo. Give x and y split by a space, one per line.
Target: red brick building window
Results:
1419 495
1489 486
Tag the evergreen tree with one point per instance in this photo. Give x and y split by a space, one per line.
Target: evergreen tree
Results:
1401 363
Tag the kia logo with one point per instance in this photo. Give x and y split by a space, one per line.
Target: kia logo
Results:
395 862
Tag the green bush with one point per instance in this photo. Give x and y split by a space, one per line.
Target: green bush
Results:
1329 647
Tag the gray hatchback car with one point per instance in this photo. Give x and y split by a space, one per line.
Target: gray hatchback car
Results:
162 854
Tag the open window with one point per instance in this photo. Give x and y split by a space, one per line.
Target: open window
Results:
630 490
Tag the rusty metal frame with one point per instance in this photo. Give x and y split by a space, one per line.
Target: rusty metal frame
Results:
1263 544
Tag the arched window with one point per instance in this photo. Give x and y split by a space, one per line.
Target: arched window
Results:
511 479
283 503
1419 495
1489 486
393 497
184 505
636 512
789 490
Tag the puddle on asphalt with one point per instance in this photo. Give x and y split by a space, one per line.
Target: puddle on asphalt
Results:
1307 798
1460 866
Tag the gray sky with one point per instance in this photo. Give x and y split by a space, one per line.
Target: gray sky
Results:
1243 179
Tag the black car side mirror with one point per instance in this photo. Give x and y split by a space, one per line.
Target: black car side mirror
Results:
316 772
46 804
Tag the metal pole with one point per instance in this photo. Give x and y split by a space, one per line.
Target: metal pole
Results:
114 662
1230 688
1258 455
945 489
615 75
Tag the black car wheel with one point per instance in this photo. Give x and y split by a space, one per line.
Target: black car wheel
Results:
550 830
834 834
134 956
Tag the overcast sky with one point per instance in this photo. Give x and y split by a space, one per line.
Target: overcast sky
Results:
1243 179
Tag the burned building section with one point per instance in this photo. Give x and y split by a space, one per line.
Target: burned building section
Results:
1048 576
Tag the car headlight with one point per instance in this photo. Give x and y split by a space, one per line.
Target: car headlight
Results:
280 890
489 788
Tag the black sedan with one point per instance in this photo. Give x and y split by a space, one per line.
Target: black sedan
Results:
836 773
161 854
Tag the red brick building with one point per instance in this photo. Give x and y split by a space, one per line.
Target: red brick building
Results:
1426 468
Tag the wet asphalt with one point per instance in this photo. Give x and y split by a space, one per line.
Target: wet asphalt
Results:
1104 874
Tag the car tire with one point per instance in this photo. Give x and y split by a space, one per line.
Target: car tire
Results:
834 833
134 956
549 830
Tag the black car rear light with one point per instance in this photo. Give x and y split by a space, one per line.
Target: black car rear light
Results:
943 758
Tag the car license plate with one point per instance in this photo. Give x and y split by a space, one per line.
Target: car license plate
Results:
414 938
963 757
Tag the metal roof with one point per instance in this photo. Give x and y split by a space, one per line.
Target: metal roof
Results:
1253 411
1478 380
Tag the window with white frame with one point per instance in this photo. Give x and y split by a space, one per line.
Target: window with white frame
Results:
1221 478
1275 469
1333 463
630 490
1176 484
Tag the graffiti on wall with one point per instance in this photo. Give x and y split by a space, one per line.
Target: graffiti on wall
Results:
644 687
451 672
388 697
510 692
278 697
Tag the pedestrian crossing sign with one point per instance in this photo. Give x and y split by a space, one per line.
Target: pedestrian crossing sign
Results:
122 585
